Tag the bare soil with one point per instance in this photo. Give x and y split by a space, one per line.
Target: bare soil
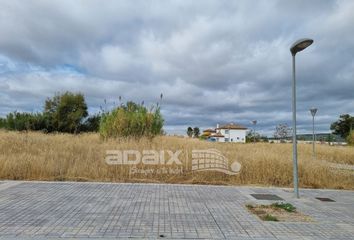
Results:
281 215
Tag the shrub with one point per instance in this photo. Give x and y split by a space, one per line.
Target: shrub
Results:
203 137
131 120
350 138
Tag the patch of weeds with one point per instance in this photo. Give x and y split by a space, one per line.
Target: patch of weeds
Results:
277 212
269 217
286 206
249 206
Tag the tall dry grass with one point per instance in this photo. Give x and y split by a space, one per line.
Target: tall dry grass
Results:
37 156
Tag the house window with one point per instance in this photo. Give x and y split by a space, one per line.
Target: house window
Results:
232 139
226 139
227 131
238 138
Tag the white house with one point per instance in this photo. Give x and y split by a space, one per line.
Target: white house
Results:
226 133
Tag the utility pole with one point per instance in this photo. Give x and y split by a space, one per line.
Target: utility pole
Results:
313 112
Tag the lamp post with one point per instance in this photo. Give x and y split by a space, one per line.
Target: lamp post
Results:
296 47
313 112
254 122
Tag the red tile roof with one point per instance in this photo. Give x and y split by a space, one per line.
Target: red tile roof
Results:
232 126
217 135
209 130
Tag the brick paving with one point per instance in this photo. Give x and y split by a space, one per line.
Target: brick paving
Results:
99 210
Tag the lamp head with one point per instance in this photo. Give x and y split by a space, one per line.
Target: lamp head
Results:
300 45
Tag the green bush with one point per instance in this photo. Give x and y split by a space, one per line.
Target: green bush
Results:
131 120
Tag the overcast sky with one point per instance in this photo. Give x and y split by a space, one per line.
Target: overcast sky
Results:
214 61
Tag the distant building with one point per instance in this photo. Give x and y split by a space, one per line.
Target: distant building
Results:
226 133
321 138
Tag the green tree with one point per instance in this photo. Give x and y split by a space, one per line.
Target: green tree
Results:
65 112
91 124
343 125
190 132
3 123
10 121
196 132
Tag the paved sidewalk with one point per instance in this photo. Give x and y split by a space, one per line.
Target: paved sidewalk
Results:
98 210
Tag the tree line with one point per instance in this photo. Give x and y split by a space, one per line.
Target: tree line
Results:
67 113
343 127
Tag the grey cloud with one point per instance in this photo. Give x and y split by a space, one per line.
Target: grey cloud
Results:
215 61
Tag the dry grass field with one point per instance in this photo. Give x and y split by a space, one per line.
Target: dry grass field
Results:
64 157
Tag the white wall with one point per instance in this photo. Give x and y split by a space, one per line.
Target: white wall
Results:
220 139
234 135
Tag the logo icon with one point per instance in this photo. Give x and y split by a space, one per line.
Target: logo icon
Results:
213 160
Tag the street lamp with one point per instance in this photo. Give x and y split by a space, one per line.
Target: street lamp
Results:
297 46
313 113
254 122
